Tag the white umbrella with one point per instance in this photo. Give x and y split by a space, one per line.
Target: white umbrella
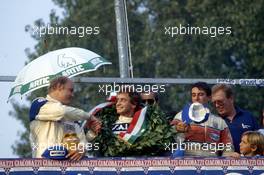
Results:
63 62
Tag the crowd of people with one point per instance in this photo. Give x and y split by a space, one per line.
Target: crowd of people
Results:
132 124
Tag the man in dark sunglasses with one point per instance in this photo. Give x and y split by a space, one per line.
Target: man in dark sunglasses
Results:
149 98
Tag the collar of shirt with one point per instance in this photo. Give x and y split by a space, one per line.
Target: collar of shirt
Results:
49 98
124 119
238 113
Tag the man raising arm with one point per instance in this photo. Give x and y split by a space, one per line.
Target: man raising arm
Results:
51 118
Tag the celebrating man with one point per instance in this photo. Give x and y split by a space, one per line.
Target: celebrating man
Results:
52 122
130 130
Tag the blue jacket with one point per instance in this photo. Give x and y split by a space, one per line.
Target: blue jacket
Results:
243 121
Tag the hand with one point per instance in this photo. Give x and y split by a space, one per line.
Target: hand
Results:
234 155
75 155
181 126
94 124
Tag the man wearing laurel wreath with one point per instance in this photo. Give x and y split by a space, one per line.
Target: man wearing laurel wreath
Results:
200 133
129 128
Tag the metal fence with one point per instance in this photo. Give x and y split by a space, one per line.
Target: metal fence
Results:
242 82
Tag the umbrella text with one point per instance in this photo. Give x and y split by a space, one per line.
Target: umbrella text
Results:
73 70
39 82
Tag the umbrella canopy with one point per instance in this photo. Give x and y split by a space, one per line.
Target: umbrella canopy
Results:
67 62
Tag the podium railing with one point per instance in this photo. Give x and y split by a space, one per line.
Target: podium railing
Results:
136 166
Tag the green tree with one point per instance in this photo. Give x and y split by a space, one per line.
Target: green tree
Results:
237 55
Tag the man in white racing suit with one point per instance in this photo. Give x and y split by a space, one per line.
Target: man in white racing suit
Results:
51 119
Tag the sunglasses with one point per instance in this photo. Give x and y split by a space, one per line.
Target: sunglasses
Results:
219 102
148 101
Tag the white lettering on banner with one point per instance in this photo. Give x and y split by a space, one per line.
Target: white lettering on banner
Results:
28 163
243 162
39 82
73 70
6 163
191 162
260 162
217 162
174 163
132 163
51 163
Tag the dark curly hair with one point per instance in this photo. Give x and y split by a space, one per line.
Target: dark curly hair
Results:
134 96
202 86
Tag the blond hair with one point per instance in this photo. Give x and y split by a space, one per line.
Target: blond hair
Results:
255 138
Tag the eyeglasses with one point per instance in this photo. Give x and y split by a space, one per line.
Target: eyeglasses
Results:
148 101
219 102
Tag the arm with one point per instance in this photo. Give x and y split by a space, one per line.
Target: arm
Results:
54 111
233 155
179 125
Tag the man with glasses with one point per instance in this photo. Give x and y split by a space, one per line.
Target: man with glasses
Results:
238 120
149 98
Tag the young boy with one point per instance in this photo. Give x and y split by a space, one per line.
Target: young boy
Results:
252 144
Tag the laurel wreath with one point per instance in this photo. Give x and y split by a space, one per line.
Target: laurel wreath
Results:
151 143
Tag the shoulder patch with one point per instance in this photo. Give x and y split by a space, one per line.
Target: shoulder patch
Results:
35 107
